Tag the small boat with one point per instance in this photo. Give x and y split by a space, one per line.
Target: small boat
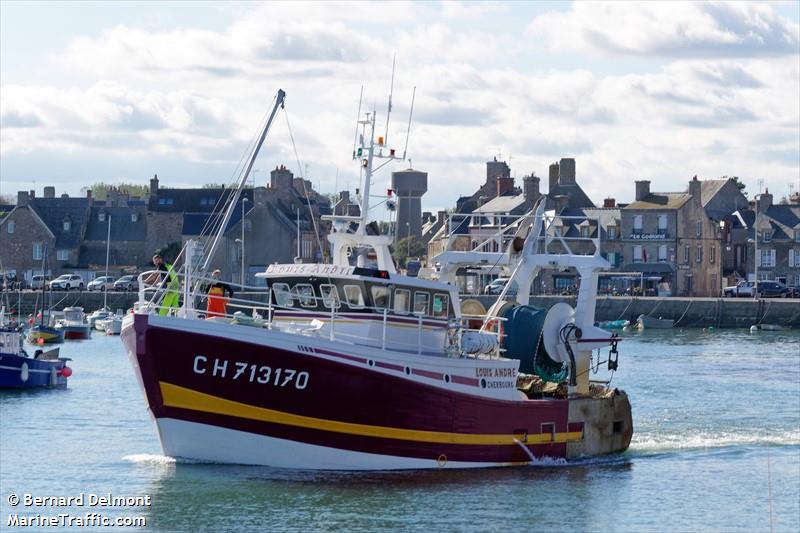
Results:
771 327
111 325
100 314
74 324
614 324
18 370
42 334
648 322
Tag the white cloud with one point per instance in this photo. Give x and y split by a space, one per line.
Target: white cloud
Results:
672 29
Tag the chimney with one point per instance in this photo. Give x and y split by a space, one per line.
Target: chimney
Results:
89 196
694 190
22 198
49 192
530 188
566 171
32 194
504 185
441 216
609 202
764 201
281 178
154 184
642 189
553 181
260 196
64 195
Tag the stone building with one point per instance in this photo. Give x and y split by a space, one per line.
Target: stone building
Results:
776 227
675 239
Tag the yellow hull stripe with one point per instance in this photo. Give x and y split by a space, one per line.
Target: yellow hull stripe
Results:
183 398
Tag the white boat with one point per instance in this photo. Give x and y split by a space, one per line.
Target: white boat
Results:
354 368
648 322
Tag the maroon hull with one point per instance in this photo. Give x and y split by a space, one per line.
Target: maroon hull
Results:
334 393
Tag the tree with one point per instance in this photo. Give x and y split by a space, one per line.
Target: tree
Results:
170 251
408 247
6 199
738 183
100 189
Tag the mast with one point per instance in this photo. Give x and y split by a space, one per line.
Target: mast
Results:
108 248
279 100
44 282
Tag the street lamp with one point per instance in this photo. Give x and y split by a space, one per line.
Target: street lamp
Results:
241 280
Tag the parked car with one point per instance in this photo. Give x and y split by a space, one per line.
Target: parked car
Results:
766 289
39 280
10 282
497 286
794 292
126 283
743 288
772 289
67 282
102 283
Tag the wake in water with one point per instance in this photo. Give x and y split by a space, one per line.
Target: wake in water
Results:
649 443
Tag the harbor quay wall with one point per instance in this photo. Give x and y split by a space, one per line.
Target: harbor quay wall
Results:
686 312
27 302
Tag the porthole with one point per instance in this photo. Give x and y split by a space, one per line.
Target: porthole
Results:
370 362
447 378
483 383
407 371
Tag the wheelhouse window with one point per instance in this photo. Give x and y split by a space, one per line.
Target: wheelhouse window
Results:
402 301
421 303
283 296
440 304
380 296
330 296
354 297
305 295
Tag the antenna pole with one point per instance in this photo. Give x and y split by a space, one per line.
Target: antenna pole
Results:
389 106
410 113
358 118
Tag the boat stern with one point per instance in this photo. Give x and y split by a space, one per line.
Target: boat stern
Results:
606 421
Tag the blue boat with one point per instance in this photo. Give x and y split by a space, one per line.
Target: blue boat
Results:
18 370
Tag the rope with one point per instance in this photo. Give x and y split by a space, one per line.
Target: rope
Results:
766 312
653 310
622 314
684 314
300 172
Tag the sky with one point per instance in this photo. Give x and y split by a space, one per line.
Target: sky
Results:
664 91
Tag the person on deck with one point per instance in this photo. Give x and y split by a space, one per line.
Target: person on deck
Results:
217 299
168 285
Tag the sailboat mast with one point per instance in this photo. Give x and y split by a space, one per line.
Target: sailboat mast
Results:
108 248
44 282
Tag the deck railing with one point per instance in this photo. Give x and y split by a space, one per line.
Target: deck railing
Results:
254 306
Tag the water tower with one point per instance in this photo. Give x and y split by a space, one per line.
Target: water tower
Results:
409 185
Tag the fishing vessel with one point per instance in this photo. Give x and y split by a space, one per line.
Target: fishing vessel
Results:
44 332
18 370
74 325
350 366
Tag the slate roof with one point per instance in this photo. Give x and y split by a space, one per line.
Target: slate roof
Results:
195 223
603 216
122 226
577 198
502 204
783 219
661 200
53 212
191 200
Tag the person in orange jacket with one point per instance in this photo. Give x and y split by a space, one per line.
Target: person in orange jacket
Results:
219 293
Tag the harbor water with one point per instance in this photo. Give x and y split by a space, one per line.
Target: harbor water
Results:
716 446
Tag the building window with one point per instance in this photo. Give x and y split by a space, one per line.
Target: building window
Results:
712 256
662 253
11 226
557 231
612 258
699 253
67 225
62 255
797 235
797 280
134 217
101 217
662 223
37 251
612 233
767 235
767 258
699 228
637 254
585 232
686 252
637 223
714 286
